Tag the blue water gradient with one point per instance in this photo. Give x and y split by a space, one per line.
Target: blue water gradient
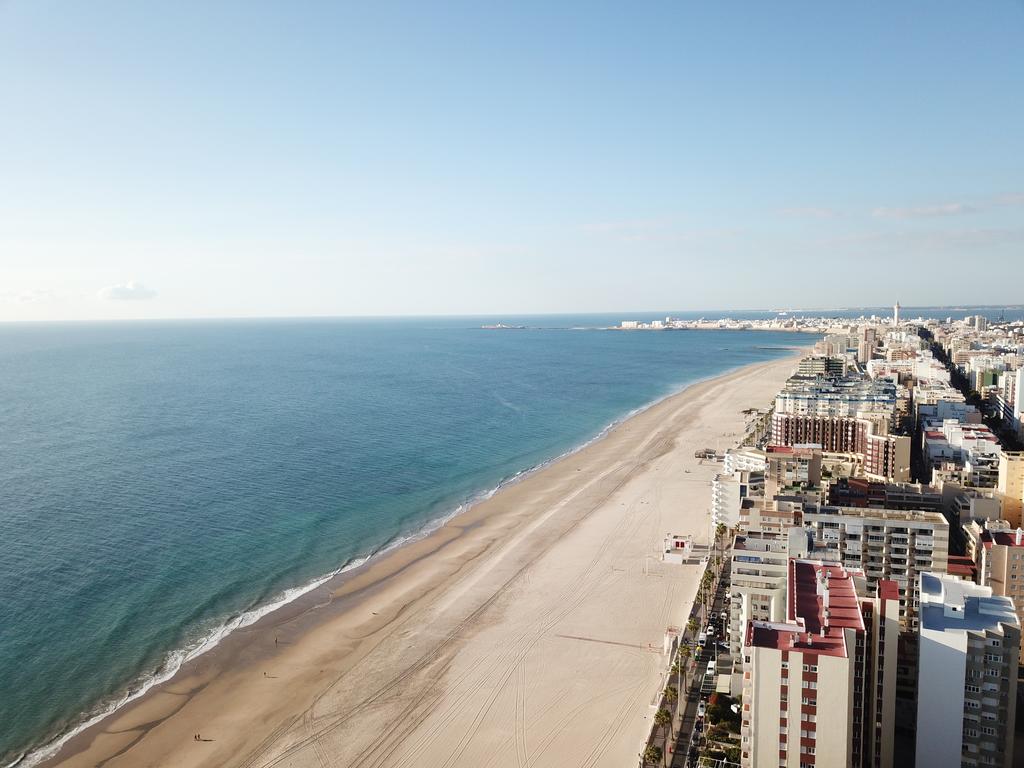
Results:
158 478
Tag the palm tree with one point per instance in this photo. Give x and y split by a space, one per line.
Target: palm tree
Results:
672 696
662 718
720 531
651 755
705 583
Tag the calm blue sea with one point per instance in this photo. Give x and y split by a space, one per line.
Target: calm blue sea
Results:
161 481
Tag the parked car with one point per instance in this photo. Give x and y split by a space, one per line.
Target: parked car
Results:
701 709
724 615
702 638
711 667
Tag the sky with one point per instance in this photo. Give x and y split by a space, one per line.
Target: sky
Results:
237 159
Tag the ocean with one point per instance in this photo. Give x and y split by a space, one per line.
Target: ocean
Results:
164 482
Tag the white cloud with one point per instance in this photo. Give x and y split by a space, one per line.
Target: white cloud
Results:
924 211
130 291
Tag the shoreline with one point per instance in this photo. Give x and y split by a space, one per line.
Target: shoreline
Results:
178 658
329 597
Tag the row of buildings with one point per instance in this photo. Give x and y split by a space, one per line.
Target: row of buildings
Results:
875 621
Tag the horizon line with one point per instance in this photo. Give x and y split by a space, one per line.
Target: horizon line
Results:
812 311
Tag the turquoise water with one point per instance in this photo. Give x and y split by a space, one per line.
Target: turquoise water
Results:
160 480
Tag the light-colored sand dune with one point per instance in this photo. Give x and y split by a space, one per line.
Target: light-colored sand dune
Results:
526 632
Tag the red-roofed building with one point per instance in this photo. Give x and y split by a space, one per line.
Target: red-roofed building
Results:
832 661
1000 561
962 567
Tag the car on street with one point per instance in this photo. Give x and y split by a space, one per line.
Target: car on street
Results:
701 709
711 667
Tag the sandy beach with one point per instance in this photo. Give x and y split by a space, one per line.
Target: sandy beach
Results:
527 631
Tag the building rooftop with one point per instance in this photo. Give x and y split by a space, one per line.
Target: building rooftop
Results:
1003 538
822 603
878 513
951 605
888 589
962 566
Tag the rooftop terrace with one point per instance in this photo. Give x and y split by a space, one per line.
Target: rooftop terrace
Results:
951 605
822 602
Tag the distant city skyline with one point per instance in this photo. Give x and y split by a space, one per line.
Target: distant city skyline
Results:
257 160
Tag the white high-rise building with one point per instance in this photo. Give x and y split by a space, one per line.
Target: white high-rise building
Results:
967 675
896 314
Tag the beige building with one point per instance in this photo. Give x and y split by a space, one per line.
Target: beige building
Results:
1010 484
885 543
998 551
757 578
776 515
796 467
819 688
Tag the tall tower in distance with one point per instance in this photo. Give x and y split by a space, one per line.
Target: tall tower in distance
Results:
896 313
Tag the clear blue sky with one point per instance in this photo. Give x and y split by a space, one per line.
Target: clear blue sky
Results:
304 158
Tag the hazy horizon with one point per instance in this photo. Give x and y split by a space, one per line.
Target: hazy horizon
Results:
254 160
626 314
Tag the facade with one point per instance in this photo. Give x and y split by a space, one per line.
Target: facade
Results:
752 459
965 453
1010 483
861 492
757 579
791 467
968 652
882 455
822 365
887 457
999 557
728 492
850 397
887 544
819 688
774 515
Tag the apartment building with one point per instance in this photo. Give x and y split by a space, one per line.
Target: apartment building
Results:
968 653
861 492
964 453
822 365
937 400
757 473
846 397
819 688
774 515
881 455
887 544
791 467
757 578
998 550
728 492
752 459
1010 484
